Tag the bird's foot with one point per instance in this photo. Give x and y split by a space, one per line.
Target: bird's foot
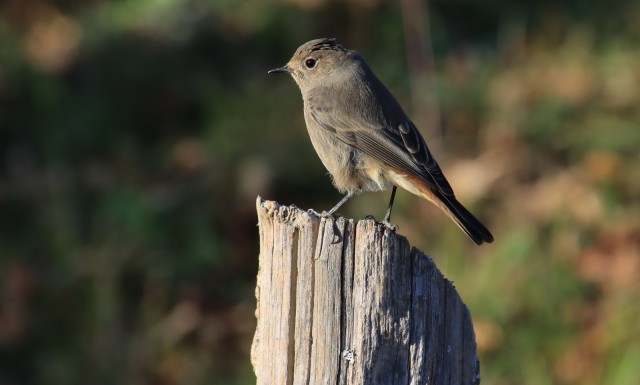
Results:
324 214
386 223
328 214
390 225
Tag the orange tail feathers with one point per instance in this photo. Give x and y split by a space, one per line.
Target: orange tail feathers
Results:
449 204
459 214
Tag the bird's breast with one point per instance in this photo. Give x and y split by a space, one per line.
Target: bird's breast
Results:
350 168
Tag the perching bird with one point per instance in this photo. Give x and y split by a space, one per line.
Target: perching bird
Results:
363 136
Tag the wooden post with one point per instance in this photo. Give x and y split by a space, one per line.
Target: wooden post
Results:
344 303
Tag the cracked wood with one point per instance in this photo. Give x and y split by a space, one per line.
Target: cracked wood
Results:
330 288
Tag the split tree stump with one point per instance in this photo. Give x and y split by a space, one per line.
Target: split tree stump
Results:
344 303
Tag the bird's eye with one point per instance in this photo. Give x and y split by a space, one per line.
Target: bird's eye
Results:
310 63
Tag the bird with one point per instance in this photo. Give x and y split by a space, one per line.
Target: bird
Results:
363 136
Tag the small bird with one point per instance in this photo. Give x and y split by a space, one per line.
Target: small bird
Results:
362 135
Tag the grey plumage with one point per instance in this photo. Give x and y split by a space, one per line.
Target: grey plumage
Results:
363 136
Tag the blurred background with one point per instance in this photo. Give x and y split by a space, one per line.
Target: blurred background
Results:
135 136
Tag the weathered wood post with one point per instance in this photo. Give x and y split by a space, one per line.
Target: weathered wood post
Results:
344 303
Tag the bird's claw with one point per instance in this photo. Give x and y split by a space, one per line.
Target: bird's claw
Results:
385 222
323 214
390 226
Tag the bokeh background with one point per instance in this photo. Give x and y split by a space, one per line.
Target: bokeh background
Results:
135 136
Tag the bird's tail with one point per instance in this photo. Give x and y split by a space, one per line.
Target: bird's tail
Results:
458 213
466 221
450 205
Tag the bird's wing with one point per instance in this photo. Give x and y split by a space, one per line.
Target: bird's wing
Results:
399 145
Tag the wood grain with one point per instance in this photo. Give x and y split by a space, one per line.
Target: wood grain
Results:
346 303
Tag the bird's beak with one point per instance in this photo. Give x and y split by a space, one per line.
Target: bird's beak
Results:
284 68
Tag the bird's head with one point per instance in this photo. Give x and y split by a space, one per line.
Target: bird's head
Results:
319 62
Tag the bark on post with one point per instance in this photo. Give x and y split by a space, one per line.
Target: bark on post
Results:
344 303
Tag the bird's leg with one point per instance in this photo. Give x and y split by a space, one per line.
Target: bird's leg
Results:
387 217
336 207
342 201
